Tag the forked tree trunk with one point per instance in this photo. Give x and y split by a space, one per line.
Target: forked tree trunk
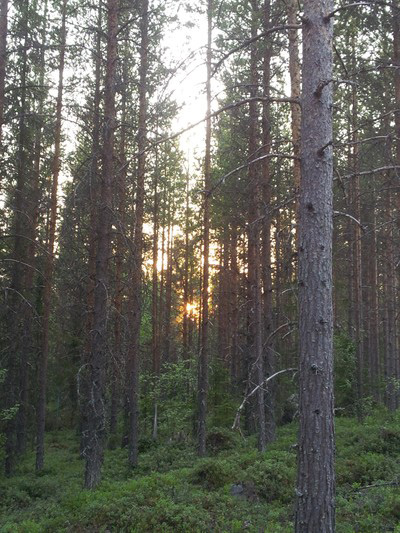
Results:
316 476
99 348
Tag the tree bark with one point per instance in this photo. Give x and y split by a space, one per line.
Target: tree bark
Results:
99 346
315 491
254 244
93 196
136 273
49 261
3 57
266 235
295 92
204 348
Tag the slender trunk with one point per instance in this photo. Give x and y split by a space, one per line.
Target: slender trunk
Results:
356 238
234 305
83 378
3 57
390 303
155 338
19 260
316 476
99 346
295 92
186 302
33 210
118 358
136 273
168 286
204 348
254 245
266 236
49 261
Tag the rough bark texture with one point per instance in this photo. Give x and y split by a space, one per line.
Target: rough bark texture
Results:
316 478
203 356
99 348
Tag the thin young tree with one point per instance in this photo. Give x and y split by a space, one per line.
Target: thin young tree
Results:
203 356
136 271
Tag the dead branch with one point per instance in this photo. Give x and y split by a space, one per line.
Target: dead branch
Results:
236 423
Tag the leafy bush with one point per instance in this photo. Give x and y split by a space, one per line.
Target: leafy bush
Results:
273 476
212 473
220 439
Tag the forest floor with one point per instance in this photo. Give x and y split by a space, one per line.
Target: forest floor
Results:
235 489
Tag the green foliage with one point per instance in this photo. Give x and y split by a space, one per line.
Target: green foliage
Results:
172 490
212 473
273 476
345 371
220 439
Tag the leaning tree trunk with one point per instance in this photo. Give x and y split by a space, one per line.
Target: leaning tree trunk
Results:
316 476
203 356
136 272
96 419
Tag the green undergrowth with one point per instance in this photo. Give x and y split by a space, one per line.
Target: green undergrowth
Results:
234 489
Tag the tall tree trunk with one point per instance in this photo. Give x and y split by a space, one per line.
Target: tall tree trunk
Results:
118 358
254 245
186 302
99 346
33 210
204 348
266 235
316 475
136 274
234 306
3 57
155 337
83 378
356 255
295 92
18 257
49 261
